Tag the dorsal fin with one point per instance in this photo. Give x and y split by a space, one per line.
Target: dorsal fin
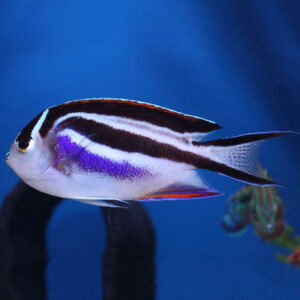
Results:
135 110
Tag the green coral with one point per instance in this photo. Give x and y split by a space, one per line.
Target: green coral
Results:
287 241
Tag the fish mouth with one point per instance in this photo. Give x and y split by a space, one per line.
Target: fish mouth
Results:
7 159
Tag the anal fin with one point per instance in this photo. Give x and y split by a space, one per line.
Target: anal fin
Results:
179 192
191 186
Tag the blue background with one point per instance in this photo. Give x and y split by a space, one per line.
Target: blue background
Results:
233 62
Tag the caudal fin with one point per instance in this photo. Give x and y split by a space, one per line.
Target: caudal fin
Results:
237 156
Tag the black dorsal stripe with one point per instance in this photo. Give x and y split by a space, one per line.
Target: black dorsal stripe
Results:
130 109
26 132
130 142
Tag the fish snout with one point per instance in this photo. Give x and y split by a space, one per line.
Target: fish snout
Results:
7 158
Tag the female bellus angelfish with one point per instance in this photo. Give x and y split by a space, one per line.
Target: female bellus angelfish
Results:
96 150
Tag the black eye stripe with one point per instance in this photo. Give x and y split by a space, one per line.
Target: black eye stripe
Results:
24 144
26 132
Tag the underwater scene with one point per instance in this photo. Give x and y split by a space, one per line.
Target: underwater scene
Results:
150 150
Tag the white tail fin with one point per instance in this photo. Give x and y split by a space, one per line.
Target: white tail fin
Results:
237 156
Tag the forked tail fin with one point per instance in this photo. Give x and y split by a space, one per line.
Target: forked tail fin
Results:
236 157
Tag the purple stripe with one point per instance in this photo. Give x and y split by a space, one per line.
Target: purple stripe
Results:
68 151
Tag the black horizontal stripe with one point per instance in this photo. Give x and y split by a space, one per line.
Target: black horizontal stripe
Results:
242 139
130 142
26 131
234 173
126 141
157 116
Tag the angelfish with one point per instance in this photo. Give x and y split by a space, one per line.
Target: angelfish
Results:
267 212
97 150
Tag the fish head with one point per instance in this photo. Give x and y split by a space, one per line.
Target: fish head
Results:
269 229
234 224
272 233
29 157
278 226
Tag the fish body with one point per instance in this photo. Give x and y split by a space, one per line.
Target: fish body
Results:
260 206
267 213
237 211
115 149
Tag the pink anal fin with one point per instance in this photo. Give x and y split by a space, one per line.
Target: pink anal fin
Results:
180 193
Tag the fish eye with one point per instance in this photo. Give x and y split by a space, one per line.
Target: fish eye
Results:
25 145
